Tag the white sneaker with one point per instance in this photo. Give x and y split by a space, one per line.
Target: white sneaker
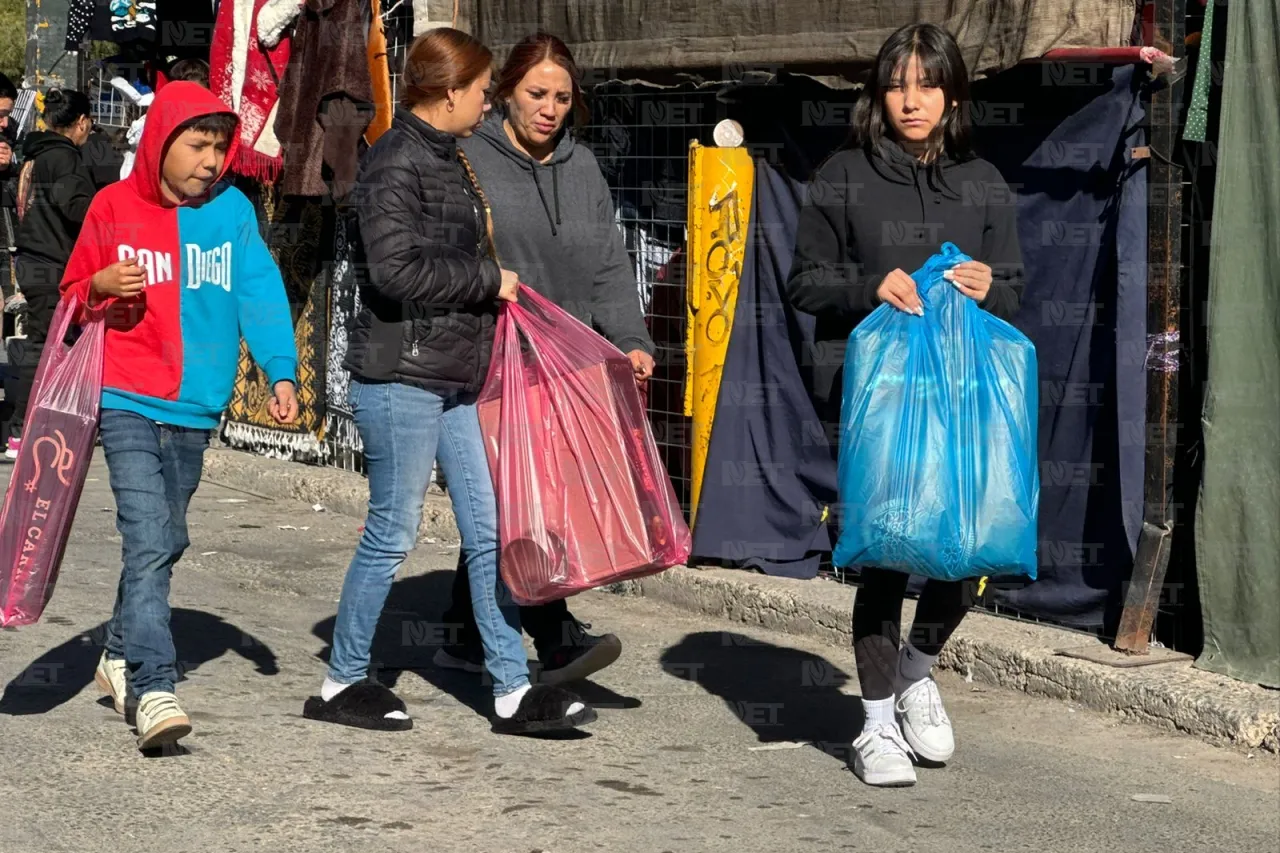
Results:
925 722
111 677
161 720
882 758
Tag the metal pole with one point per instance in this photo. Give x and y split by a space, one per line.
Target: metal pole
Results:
48 64
1164 260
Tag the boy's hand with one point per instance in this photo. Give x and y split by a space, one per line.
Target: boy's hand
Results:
899 290
972 278
120 280
284 403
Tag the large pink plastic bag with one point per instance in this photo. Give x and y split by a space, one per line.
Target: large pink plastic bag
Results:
583 498
57 446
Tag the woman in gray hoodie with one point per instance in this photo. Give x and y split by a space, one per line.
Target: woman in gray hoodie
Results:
553 223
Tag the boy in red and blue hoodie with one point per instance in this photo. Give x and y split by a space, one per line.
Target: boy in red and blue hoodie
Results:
177 259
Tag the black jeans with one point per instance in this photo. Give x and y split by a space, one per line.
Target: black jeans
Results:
548 624
877 624
41 305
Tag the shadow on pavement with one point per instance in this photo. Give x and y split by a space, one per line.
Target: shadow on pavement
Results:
410 630
61 673
784 695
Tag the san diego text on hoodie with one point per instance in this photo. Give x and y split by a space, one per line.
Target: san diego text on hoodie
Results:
171 352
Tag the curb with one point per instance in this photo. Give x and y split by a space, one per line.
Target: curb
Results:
992 650
343 492
989 649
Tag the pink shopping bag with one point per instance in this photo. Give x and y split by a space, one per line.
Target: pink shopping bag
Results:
583 498
57 446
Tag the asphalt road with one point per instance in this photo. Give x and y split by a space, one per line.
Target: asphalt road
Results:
710 737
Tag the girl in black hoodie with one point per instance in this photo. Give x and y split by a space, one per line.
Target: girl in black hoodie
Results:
54 191
876 212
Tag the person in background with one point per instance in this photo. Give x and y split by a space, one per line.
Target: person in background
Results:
8 97
8 172
54 192
418 355
553 224
9 296
909 159
185 70
102 156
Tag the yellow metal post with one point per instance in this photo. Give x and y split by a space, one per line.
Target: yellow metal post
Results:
720 185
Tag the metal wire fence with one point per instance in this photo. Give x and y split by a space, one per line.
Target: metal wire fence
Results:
640 137
109 108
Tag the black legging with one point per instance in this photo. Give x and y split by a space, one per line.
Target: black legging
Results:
877 624
545 623
41 305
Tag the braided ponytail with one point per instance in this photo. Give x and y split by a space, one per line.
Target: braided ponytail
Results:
484 200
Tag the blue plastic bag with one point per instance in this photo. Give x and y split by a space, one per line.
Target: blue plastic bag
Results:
938 472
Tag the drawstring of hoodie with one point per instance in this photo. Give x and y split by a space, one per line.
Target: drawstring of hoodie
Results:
543 196
555 189
554 220
915 179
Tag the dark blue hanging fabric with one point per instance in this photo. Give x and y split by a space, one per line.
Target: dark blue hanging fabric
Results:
1131 334
770 470
1082 226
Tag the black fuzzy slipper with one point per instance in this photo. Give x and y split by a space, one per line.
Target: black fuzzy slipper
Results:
364 705
544 710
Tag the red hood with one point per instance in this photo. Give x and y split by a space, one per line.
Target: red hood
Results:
175 104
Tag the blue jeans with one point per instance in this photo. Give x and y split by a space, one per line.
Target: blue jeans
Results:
154 471
404 429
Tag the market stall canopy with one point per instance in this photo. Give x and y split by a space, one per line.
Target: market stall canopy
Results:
741 35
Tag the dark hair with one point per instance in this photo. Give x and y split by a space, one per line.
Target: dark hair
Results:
190 71
222 125
440 60
940 65
529 54
64 107
7 89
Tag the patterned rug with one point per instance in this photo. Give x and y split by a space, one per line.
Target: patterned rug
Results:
295 230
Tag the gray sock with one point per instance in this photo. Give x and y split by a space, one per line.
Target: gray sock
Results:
914 665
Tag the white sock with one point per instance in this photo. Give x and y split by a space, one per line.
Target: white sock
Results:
331 688
506 706
914 665
878 711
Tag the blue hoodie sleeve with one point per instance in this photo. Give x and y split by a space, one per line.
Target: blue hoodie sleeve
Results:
266 322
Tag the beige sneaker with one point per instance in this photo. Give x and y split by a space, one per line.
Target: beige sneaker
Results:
111 677
161 720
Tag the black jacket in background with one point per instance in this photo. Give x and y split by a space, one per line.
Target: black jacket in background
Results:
428 286
102 158
62 188
869 214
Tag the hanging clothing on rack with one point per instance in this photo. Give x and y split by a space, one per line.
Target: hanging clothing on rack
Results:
186 29
379 76
326 98
115 21
249 56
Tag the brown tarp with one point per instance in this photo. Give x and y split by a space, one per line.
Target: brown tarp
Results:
740 35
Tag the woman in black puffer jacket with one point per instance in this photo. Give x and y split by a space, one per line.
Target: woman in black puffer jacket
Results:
418 355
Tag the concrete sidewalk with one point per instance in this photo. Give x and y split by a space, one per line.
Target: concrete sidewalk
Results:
987 649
